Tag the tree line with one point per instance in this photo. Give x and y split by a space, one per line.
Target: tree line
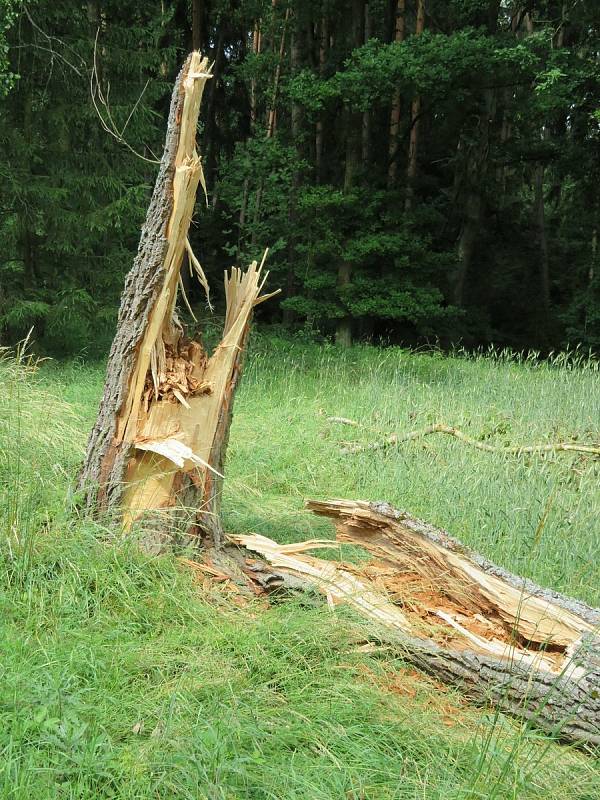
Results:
422 170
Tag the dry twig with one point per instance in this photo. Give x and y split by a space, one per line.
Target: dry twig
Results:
395 439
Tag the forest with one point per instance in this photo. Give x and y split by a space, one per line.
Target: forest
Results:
422 172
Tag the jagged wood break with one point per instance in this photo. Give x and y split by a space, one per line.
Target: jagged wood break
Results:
159 441
459 617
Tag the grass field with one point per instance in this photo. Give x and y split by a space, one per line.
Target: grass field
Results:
120 677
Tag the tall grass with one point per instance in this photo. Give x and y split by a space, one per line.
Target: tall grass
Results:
38 438
536 514
122 678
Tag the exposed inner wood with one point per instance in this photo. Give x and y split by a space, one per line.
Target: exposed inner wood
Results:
458 616
160 437
338 582
408 602
413 557
184 434
161 328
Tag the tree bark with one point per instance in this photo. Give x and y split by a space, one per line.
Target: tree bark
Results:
272 110
475 173
594 258
415 112
212 152
366 117
256 43
501 638
158 446
343 331
539 207
353 128
26 230
475 169
296 61
256 49
271 123
399 30
197 24
539 213
323 47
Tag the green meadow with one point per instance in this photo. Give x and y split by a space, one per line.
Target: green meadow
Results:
123 677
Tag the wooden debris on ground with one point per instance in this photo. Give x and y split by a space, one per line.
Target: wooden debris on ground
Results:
336 583
462 619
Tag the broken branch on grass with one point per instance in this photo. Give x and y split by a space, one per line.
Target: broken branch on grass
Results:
344 421
395 439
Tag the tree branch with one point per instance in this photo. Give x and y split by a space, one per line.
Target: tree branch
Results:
395 439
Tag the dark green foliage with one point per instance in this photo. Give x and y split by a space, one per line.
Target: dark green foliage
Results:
8 15
493 239
73 199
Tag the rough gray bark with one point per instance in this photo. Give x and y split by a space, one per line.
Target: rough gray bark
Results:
475 169
566 704
101 476
542 238
475 172
415 113
323 48
157 450
568 709
353 126
394 125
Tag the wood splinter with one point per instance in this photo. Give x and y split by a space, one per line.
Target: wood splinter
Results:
158 446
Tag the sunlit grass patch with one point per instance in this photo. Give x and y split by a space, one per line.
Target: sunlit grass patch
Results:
121 679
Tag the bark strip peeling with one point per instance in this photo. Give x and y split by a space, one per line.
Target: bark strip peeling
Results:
503 639
160 437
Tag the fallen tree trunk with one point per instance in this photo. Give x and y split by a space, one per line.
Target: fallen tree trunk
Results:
503 639
158 446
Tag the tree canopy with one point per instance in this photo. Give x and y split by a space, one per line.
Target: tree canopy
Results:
423 170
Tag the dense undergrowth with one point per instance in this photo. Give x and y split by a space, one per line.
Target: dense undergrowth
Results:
121 677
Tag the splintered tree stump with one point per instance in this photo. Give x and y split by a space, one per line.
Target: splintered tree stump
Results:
158 446
504 640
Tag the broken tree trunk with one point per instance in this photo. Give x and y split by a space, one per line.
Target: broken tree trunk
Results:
503 639
159 441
